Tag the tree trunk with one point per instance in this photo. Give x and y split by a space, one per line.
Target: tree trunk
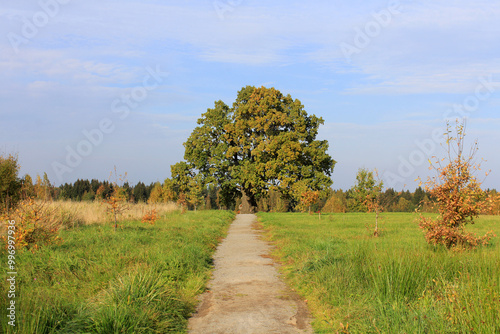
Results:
248 202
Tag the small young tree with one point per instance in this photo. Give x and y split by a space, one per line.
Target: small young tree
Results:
156 195
28 189
337 202
195 191
373 199
43 188
494 199
117 202
458 194
368 193
168 191
10 184
182 202
208 202
365 182
36 225
309 198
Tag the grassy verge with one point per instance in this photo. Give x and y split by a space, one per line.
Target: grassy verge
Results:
141 279
395 283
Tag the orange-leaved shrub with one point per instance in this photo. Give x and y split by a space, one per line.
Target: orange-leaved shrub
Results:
150 217
182 201
35 224
458 194
308 198
116 203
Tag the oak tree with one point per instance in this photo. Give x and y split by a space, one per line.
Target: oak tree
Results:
265 141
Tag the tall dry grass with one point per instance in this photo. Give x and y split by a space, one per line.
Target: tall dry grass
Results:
82 213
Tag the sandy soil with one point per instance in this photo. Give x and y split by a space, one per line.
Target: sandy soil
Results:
246 294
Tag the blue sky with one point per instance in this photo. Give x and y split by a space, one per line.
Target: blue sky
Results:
86 86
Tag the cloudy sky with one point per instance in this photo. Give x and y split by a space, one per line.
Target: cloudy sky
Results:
88 85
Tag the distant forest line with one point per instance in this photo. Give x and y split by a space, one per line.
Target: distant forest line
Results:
329 201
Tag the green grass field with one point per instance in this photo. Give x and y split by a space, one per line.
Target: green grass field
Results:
396 283
141 279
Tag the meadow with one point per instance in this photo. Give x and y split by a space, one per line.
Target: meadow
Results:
140 279
354 282
146 278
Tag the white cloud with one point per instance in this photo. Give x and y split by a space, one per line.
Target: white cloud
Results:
431 47
93 51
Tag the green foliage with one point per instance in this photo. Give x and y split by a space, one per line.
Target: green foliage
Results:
389 201
195 191
44 190
181 176
266 141
85 190
10 184
88 196
337 202
169 194
274 202
156 195
365 192
142 280
164 193
418 196
403 205
395 284
28 189
140 193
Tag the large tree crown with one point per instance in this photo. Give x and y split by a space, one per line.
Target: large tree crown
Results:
266 140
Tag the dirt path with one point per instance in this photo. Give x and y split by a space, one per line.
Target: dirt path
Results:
246 295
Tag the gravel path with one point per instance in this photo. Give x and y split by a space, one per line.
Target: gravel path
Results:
246 294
